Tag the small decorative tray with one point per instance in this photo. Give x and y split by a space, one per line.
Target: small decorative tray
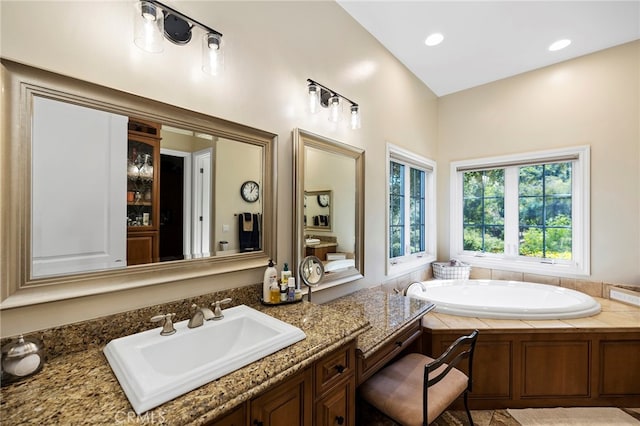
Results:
280 303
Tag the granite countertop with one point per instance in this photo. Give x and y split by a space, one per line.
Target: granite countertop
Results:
387 313
80 388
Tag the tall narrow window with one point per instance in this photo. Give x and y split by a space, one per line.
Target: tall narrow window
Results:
545 199
484 211
417 206
411 210
527 212
396 210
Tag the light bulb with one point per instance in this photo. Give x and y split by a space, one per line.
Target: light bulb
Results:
314 98
559 45
334 108
434 39
212 54
355 117
148 27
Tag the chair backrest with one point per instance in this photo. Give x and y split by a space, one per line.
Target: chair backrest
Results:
458 351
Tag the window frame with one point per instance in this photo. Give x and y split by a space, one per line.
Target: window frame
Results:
510 260
410 262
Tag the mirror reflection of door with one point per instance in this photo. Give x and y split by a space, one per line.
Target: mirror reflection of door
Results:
172 200
202 203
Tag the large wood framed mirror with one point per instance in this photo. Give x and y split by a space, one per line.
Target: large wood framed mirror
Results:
329 206
103 190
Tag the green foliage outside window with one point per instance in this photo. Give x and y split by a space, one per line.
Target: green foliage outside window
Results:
484 211
396 209
544 216
544 195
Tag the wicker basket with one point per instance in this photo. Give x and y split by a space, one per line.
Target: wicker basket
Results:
446 271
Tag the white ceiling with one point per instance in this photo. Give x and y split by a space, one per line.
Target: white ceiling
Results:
487 41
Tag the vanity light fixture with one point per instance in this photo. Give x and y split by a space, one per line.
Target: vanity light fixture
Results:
320 95
155 21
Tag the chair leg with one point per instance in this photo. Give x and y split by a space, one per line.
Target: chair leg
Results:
466 407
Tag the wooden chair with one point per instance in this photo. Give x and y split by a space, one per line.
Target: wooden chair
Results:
416 389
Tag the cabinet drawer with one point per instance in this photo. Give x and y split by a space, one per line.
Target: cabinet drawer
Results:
368 366
332 368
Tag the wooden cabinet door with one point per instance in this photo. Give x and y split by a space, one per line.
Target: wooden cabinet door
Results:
337 408
142 248
288 404
236 418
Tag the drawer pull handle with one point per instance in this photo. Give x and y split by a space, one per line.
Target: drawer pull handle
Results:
339 420
257 423
340 368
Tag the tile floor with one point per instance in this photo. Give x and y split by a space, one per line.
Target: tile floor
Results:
370 417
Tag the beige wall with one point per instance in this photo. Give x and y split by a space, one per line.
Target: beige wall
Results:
592 100
272 48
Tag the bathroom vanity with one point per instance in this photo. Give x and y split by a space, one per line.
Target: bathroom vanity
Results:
310 382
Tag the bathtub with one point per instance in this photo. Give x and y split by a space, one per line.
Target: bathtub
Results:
504 299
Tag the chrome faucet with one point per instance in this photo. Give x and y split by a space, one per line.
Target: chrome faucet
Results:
199 316
217 311
167 323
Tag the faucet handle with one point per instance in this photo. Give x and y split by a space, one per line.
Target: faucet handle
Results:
167 323
217 311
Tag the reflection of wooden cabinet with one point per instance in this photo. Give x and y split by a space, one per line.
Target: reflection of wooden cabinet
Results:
323 394
320 250
143 189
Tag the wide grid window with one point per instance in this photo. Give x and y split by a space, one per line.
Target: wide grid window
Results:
527 213
411 210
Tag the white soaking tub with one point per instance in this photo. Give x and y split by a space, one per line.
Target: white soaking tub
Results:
504 299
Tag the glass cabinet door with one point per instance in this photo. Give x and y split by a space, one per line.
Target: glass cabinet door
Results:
140 184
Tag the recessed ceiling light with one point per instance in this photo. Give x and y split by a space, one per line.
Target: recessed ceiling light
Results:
559 45
434 39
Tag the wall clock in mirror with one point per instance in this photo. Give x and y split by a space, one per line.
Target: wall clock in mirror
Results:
250 191
323 200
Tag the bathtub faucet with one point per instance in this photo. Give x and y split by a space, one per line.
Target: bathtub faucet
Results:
424 289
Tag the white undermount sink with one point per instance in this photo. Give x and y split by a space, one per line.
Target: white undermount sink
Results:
153 369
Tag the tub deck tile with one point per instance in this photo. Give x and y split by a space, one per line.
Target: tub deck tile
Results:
455 322
589 322
547 324
506 323
433 322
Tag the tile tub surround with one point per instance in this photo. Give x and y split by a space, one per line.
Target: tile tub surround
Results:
79 387
614 316
583 358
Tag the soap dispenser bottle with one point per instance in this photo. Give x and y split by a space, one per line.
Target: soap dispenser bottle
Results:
285 274
270 278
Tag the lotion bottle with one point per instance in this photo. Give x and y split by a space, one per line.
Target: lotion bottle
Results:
285 274
270 278
291 289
